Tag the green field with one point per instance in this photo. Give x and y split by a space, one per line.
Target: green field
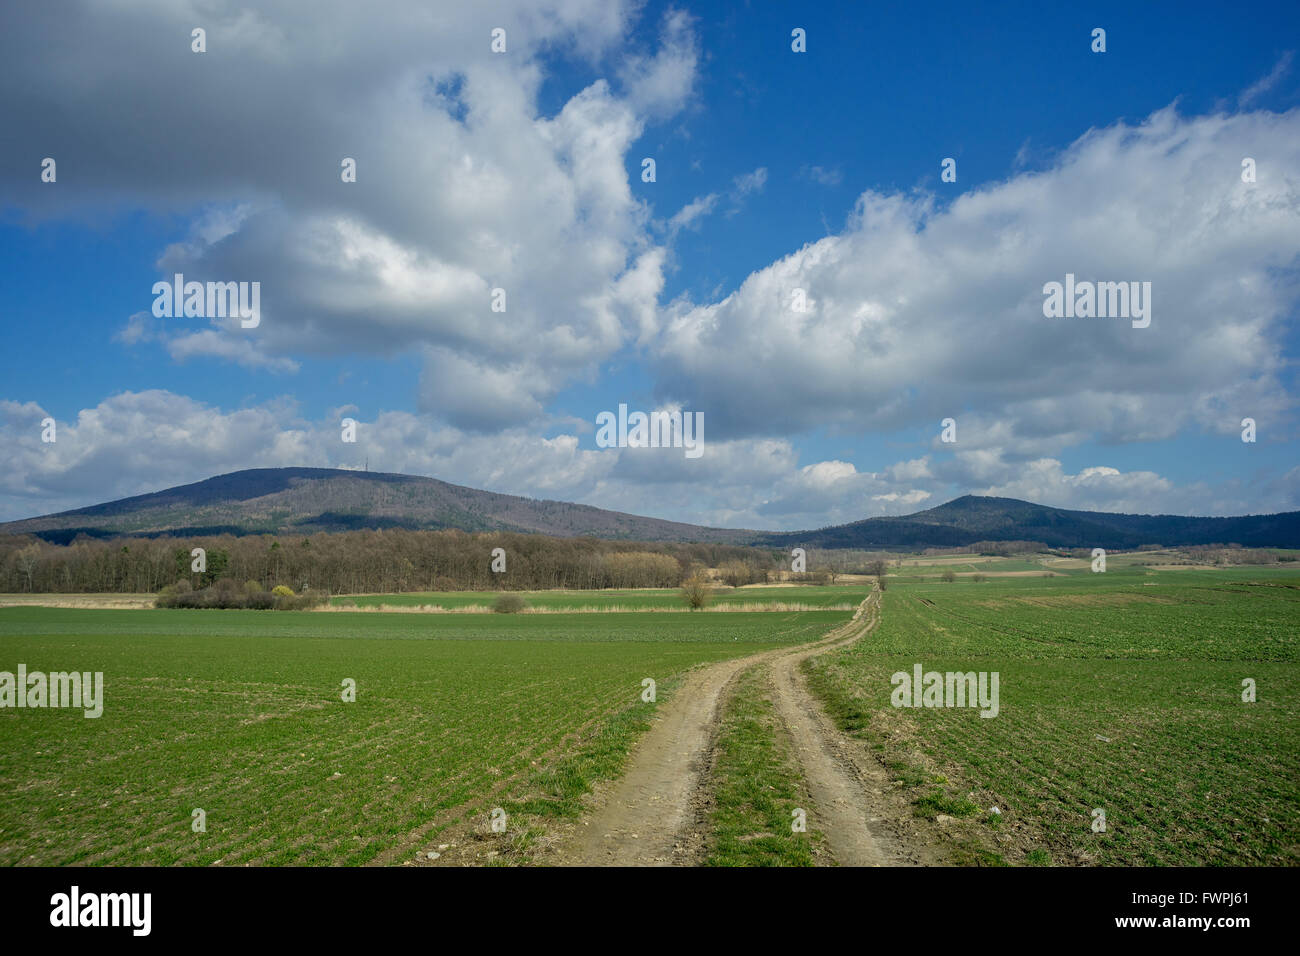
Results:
1153 662
1119 691
642 599
240 713
964 563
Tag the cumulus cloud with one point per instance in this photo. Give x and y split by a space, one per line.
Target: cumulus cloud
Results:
211 344
469 191
1097 488
662 84
824 487
464 186
914 311
136 442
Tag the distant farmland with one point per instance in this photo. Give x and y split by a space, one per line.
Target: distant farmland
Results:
642 599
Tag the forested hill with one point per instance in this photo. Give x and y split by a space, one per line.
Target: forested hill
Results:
973 518
311 500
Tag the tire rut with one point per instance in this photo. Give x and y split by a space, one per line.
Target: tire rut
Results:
838 785
650 816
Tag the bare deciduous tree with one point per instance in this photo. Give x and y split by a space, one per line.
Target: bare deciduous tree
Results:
696 592
26 560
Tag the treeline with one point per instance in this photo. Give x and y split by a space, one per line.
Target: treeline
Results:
354 562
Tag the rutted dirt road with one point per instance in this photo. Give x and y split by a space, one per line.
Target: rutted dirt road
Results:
649 816
839 808
652 815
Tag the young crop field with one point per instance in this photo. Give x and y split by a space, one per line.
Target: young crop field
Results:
240 714
966 564
1119 692
639 599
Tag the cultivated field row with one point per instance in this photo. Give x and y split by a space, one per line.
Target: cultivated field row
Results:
488 738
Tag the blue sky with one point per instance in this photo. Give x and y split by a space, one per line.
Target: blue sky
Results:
774 170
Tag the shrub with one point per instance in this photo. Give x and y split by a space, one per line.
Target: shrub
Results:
252 587
739 573
259 600
226 594
508 602
696 592
301 602
282 590
948 576
978 579
169 595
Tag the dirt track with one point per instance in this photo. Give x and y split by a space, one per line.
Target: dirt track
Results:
652 815
839 807
649 816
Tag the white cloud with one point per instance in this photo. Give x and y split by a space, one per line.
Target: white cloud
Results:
661 85
1097 488
136 442
463 184
1266 83
209 343
916 311
750 182
689 216
822 175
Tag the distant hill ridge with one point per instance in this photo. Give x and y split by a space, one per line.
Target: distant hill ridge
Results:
311 500
973 518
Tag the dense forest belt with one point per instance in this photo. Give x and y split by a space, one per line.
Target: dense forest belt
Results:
359 562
